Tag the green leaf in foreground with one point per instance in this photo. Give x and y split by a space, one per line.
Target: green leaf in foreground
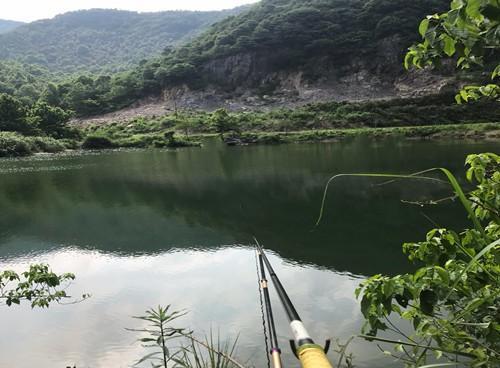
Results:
451 302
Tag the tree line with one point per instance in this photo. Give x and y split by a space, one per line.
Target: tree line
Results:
102 40
297 32
37 119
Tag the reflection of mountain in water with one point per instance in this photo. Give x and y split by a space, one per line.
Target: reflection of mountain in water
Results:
147 202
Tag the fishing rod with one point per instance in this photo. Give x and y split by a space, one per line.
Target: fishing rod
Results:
305 349
275 350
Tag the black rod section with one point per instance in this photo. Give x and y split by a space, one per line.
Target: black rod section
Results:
267 302
285 300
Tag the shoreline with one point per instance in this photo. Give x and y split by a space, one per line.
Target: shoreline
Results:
479 131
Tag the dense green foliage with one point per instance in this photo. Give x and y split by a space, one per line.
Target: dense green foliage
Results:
37 119
97 142
15 144
27 129
98 39
26 82
13 115
8 25
430 110
294 33
25 122
39 286
452 300
88 95
431 116
452 131
469 32
49 120
286 33
222 122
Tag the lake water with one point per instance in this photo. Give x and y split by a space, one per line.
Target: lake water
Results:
142 228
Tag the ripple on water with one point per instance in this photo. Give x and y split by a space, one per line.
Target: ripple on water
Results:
32 169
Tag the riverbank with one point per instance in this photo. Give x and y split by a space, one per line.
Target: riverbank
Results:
428 116
119 136
424 117
484 131
17 145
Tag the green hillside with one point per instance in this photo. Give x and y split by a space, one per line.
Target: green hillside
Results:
281 35
293 33
8 25
97 40
315 37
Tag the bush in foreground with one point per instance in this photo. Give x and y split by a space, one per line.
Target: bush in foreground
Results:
453 300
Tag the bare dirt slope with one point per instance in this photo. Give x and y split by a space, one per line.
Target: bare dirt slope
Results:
292 91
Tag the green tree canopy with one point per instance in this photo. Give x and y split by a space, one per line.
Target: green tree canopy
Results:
223 122
12 114
51 120
468 32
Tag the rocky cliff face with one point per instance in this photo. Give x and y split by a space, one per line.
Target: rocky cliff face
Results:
251 80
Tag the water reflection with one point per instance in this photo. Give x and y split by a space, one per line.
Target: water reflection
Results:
141 228
219 288
148 202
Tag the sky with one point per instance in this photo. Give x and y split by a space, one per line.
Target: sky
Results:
30 10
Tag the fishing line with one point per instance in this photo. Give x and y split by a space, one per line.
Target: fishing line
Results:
262 312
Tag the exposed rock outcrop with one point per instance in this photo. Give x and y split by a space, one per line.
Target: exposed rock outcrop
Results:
252 81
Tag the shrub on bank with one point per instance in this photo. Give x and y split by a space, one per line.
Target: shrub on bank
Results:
155 140
177 142
16 145
13 145
71 144
97 142
45 144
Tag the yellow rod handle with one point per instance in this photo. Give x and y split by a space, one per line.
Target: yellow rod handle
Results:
313 356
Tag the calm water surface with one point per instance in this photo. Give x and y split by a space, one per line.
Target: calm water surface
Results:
142 228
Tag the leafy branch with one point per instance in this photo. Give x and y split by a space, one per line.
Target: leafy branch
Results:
39 286
469 32
452 299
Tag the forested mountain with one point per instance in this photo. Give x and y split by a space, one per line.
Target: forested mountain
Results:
8 25
293 32
97 40
313 36
344 47
307 50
